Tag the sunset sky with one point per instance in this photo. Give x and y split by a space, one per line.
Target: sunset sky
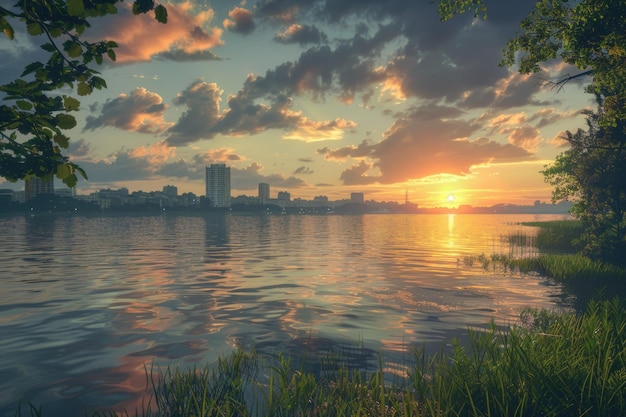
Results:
319 98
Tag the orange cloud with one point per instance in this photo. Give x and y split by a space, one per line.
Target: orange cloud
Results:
312 131
526 137
155 154
240 21
558 141
140 111
141 37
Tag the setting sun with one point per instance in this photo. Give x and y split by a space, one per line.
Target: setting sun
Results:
450 198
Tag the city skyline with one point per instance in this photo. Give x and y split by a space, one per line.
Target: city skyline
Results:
319 101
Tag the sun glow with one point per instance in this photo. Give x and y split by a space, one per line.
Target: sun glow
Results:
450 198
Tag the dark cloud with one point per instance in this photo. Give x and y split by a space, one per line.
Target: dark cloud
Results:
178 55
356 175
250 177
79 149
240 21
302 35
204 118
456 61
303 170
140 111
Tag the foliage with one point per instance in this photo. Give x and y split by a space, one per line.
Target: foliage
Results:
33 121
592 173
560 236
448 8
588 34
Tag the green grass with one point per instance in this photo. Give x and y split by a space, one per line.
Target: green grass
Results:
548 364
559 236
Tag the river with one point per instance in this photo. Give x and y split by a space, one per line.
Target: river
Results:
86 303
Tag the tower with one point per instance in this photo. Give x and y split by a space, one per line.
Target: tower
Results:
264 192
36 186
218 185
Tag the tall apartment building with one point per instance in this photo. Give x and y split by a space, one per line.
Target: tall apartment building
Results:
170 190
218 185
357 198
36 186
264 192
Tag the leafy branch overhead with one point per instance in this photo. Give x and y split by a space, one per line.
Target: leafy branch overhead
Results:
35 116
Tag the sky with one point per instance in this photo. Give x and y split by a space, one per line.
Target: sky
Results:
319 98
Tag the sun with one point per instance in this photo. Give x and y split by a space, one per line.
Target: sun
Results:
450 198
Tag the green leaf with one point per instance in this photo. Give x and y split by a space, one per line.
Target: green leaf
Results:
84 89
73 49
160 13
70 180
111 54
24 105
62 140
48 47
65 121
75 7
64 171
32 68
81 171
34 29
55 32
70 103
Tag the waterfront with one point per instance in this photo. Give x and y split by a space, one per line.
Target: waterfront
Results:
88 302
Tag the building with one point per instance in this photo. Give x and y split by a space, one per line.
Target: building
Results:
218 185
357 198
170 190
264 192
284 196
36 186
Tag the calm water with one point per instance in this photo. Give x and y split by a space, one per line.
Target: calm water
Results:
86 303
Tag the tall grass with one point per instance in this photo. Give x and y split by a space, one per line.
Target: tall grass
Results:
558 236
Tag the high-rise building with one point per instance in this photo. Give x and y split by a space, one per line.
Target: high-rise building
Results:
357 197
284 196
36 186
218 185
170 190
264 192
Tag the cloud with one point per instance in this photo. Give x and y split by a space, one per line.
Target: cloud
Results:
559 140
240 21
356 175
311 131
403 46
141 37
140 111
302 35
525 137
303 170
198 121
204 118
178 55
249 178
419 145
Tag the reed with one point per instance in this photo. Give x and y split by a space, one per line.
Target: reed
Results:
559 236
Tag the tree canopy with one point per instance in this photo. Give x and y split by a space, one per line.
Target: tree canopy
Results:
36 114
588 34
592 173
